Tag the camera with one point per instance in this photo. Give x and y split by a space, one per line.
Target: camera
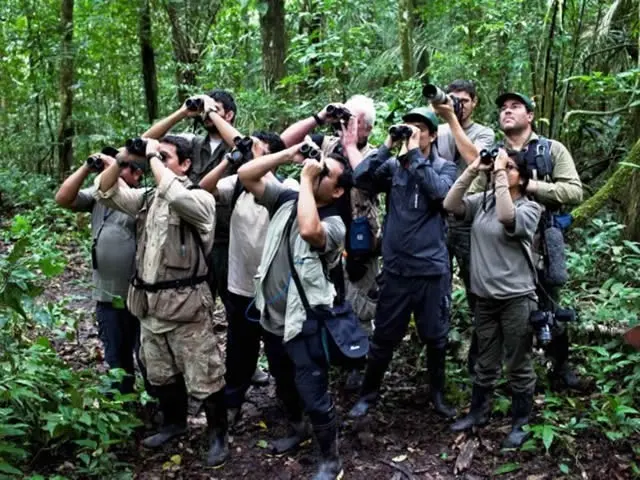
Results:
136 146
194 104
242 151
95 163
436 96
338 114
487 157
544 320
307 151
400 132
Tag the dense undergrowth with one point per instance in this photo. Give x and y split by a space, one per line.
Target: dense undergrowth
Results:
51 413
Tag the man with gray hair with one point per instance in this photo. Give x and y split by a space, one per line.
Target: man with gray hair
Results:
352 123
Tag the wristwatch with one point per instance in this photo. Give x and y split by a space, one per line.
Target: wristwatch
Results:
154 154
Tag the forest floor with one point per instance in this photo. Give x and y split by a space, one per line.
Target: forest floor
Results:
403 439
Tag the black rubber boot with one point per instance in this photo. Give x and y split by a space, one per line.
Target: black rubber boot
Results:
370 390
173 401
480 410
521 406
562 374
330 467
300 433
436 358
215 409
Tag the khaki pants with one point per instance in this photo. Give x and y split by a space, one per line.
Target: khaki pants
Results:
503 326
358 294
191 349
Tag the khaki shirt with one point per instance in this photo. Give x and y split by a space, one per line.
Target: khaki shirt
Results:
566 187
196 207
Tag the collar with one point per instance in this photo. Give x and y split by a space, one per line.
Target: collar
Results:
532 138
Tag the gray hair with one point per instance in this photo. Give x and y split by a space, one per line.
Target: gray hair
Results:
362 104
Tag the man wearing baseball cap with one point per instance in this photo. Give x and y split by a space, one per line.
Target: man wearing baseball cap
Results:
555 187
416 270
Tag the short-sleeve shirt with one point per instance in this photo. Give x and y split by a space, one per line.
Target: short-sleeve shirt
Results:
499 268
114 234
278 277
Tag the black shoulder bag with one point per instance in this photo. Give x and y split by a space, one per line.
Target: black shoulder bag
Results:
343 338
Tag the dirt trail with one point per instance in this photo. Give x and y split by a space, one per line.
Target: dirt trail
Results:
403 439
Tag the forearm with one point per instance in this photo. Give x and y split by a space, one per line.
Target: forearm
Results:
354 155
563 192
68 191
158 169
296 132
468 151
227 131
311 229
252 173
109 177
505 210
453 201
369 171
434 184
211 179
161 127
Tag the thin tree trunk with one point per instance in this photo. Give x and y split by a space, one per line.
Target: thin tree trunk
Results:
547 61
406 50
274 43
65 128
148 62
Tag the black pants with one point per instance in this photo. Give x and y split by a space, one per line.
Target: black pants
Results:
428 298
119 331
243 348
301 372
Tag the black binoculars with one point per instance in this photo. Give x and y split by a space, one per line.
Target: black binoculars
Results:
307 151
242 152
400 132
194 104
95 163
338 114
487 157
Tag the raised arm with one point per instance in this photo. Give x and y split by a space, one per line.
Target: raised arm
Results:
227 131
375 172
252 174
162 127
68 193
453 202
295 133
211 179
311 229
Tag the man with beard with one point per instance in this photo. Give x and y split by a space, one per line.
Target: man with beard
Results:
555 184
460 141
208 152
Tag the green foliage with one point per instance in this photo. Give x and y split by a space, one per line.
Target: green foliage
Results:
47 409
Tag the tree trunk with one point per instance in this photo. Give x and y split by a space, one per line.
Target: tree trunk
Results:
65 128
311 26
274 43
148 62
406 47
613 189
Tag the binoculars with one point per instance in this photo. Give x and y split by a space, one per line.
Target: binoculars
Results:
307 151
242 151
487 157
338 114
95 163
400 132
194 104
137 146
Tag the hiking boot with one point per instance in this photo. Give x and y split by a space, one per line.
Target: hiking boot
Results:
216 411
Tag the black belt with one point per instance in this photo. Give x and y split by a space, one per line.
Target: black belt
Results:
137 282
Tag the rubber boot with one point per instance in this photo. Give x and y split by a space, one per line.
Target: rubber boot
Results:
173 401
480 409
436 358
370 387
330 467
521 406
300 433
562 373
215 409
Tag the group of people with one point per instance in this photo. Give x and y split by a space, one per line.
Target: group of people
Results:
221 221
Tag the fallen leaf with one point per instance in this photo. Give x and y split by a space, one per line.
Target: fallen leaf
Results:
399 458
262 425
177 459
262 443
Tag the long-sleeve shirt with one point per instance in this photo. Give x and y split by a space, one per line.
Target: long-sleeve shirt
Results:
414 230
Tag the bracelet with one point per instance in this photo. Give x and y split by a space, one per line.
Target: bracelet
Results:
318 120
154 154
500 170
